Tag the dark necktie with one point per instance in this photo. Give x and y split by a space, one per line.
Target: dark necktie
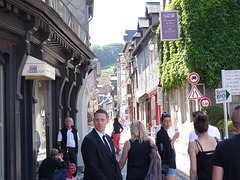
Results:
106 144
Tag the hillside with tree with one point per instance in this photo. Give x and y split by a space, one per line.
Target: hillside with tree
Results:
107 55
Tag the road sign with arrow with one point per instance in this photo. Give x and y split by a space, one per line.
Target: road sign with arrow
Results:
223 95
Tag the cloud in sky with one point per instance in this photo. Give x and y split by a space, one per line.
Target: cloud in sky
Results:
112 17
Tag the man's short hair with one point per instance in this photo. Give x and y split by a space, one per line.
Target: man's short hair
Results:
54 152
68 118
101 111
196 113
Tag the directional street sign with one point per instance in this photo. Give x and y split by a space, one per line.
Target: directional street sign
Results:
205 102
195 94
193 78
223 95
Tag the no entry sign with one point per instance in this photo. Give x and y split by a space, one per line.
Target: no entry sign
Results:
205 102
193 78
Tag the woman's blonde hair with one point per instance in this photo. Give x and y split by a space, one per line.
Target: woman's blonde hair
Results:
138 131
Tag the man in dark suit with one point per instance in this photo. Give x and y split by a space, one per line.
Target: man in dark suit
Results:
98 152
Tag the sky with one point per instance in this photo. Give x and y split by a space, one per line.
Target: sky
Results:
112 17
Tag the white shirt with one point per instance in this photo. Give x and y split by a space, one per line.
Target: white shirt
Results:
70 138
170 131
212 131
101 137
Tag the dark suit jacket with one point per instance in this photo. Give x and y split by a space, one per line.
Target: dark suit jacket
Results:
99 163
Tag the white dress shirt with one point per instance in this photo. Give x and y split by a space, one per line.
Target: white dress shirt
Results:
70 138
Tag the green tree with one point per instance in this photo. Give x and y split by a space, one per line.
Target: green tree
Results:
107 54
209 41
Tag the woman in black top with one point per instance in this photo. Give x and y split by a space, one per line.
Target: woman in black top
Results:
117 129
201 151
136 150
165 149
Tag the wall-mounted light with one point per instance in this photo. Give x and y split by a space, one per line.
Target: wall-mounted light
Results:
151 45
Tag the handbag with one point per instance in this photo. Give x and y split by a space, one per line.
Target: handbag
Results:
165 169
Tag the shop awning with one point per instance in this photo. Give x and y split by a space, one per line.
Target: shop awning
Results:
36 69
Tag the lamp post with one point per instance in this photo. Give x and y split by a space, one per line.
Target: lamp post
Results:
151 48
151 45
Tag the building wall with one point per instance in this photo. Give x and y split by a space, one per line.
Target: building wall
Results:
104 79
82 121
75 13
27 30
147 70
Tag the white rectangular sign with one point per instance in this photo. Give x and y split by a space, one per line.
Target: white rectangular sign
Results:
223 95
159 96
232 81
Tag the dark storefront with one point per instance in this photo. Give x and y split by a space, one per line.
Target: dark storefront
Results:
34 106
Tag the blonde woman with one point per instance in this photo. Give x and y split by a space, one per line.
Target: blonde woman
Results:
136 150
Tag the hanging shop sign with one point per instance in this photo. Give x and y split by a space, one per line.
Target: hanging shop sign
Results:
169 26
36 69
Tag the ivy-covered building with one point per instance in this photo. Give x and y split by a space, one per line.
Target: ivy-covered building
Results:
44 62
209 42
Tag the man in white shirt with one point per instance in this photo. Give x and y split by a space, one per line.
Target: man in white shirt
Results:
68 141
212 131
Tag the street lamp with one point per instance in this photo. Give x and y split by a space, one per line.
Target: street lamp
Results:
151 45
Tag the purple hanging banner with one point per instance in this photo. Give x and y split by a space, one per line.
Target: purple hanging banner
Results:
169 26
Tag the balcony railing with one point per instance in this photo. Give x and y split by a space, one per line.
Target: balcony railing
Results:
68 18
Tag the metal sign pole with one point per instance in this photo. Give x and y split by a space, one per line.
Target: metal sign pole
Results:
225 106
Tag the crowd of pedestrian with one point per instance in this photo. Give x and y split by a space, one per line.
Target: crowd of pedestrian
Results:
210 158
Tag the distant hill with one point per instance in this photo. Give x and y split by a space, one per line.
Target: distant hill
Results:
107 55
109 70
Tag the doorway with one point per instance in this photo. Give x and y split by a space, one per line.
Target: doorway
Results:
42 119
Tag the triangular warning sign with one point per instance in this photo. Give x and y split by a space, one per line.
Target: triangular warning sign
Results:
195 94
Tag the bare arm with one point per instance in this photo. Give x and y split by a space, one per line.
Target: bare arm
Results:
124 156
217 173
193 160
174 138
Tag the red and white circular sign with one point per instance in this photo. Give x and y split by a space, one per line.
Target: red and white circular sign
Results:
205 102
193 78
